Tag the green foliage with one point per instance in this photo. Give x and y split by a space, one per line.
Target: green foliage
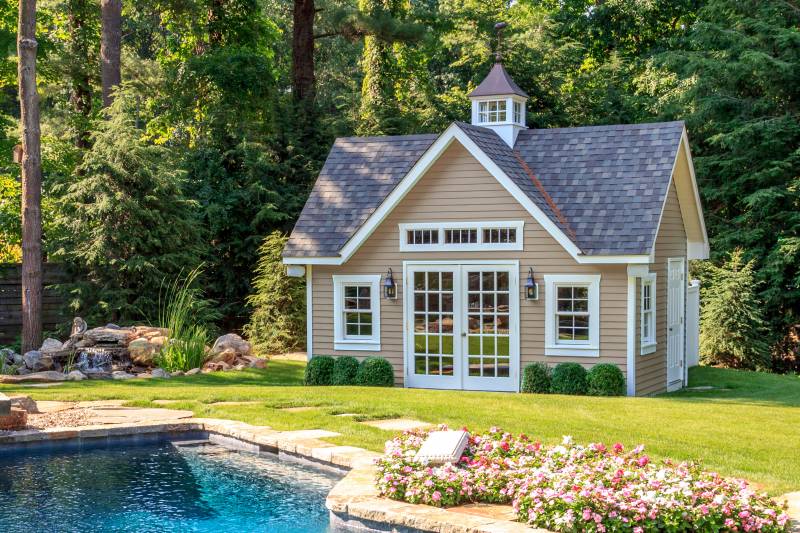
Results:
536 378
732 327
126 223
319 371
345 370
179 306
568 378
605 379
375 372
278 321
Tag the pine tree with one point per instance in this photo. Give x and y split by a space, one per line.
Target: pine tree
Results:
278 322
129 224
732 326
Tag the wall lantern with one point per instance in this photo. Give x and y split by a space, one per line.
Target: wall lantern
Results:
531 287
389 286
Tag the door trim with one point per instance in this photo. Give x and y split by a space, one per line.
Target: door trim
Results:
675 385
514 314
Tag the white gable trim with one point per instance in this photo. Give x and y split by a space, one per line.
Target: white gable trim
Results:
431 155
694 250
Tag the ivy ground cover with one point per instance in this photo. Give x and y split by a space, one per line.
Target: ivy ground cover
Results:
572 487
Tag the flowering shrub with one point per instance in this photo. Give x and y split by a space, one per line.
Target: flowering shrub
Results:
570 487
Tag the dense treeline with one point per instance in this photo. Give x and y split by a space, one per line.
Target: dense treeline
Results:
227 108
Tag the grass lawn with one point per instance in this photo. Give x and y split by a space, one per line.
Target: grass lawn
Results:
749 429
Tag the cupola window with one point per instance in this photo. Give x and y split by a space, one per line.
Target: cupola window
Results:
492 111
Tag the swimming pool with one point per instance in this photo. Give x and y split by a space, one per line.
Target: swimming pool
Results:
161 487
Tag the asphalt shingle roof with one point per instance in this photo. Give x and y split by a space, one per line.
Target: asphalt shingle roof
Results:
498 83
603 186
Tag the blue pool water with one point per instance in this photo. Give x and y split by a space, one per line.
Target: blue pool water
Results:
160 487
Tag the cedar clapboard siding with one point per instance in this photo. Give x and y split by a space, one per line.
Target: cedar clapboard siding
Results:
651 369
458 188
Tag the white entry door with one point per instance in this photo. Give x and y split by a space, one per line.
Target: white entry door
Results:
462 326
676 291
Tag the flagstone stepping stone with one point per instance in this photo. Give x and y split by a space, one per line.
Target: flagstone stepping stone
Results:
100 403
168 402
300 409
347 414
254 402
132 415
397 424
53 407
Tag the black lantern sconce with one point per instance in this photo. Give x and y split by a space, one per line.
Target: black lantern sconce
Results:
531 287
389 286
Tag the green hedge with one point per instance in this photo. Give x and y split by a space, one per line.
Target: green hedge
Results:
536 378
375 372
605 379
344 370
319 371
568 378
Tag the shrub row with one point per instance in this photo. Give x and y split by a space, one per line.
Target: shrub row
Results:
346 370
604 379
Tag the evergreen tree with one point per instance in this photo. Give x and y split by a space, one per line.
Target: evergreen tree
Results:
278 322
732 331
128 225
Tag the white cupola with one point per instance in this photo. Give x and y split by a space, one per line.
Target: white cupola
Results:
499 104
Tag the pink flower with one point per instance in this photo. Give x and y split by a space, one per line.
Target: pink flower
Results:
436 496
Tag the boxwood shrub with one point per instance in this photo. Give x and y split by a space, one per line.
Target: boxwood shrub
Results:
536 378
319 371
344 370
568 378
605 379
375 372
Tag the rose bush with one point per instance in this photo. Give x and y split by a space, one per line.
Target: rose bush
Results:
571 487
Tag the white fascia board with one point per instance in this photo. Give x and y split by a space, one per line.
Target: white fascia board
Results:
640 259
312 261
631 335
694 250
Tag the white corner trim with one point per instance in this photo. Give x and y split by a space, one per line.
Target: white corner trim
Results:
309 312
370 343
478 226
551 345
630 380
648 346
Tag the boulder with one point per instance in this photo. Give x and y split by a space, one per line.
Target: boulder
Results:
193 372
142 352
36 377
26 403
177 374
8 356
120 374
110 333
37 361
227 356
84 343
216 367
76 375
231 341
160 373
257 363
51 345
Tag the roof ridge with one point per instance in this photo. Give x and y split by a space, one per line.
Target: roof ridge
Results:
556 211
373 138
637 125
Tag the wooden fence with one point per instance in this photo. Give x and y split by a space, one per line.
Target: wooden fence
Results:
11 301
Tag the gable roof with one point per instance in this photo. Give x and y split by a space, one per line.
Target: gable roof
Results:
498 83
599 190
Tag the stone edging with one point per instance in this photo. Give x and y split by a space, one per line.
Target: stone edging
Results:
354 502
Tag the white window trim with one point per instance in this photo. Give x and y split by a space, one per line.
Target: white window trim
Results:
479 246
551 347
340 342
648 346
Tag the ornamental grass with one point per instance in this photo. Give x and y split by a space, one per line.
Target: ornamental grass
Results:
571 487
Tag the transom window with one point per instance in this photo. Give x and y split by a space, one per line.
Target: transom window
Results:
492 111
500 235
423 236
461 236
356 312
648 314
572 307
572 314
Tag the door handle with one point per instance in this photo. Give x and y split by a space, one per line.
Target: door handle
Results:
463 333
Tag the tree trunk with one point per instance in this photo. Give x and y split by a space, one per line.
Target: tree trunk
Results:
303 89
110 47
31 179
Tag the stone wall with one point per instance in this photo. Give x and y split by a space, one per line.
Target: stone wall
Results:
11 301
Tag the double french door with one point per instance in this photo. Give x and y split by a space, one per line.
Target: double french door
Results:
462 326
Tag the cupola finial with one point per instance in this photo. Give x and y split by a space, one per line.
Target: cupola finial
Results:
498 53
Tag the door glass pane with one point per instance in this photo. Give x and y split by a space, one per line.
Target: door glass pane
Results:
433 302
447 324
474 345
474 366
419 322
419 281
419 365
474 323
447 303
488 281
503 346
488 302
474 281
447 344
447 281
502 281
474 301
488 345
419 302
447 366
502 302
502 368
433 281
488 367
